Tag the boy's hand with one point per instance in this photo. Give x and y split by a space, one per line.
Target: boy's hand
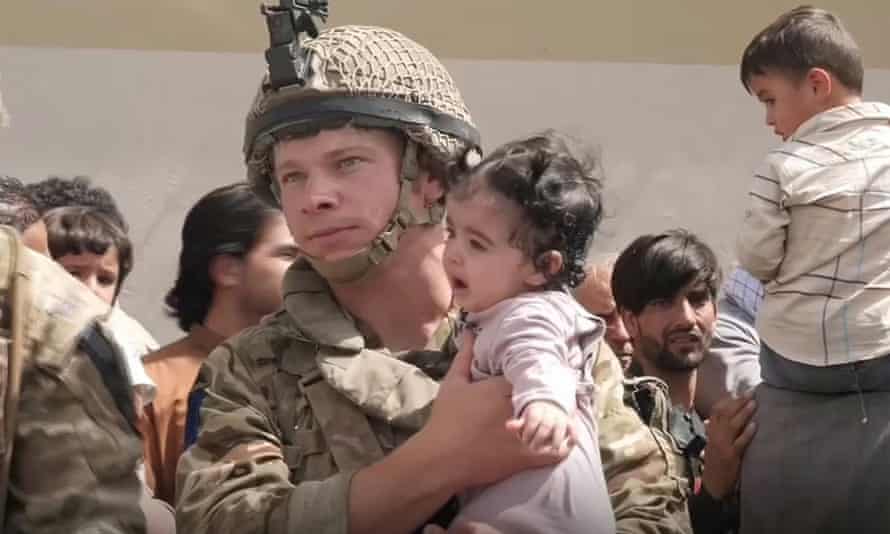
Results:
544 427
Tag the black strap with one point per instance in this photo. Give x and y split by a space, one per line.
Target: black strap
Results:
108 362
390 110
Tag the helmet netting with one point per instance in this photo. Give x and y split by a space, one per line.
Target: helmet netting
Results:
369 61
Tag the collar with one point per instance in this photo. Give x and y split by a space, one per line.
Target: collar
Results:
309 302
204 338
861 111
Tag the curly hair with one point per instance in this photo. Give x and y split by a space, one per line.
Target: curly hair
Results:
558 185
57 192
17 207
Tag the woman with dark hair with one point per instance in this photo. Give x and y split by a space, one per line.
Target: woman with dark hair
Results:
235 250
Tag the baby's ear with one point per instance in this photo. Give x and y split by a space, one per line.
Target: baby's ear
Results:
547 265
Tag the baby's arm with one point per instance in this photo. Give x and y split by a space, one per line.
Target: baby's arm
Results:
761 244
533 350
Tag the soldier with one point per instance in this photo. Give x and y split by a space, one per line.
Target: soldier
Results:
68 445
68 410
318 420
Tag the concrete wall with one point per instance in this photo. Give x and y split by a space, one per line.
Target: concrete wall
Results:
159 123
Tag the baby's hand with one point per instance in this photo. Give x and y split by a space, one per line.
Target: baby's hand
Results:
544 426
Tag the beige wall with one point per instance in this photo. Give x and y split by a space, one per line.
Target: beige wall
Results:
160 127
657 31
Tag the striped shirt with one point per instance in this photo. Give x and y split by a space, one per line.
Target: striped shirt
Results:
818 231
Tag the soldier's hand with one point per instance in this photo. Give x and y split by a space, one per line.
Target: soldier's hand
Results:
468 427
543 427
729 431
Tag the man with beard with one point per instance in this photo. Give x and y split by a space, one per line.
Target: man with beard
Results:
595 294
665 287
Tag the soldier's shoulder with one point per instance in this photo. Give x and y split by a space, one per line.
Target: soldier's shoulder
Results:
267 342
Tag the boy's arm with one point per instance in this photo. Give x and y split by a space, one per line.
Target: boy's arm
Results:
761 243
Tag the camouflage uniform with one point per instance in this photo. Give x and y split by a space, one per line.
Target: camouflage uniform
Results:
296 406
644 472
291 409
69 440
682 435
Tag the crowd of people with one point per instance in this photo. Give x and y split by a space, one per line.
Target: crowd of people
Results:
386 332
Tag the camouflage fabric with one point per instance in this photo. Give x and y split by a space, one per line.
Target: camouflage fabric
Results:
361 62
369 77
643 473
294 407
649 397
75 453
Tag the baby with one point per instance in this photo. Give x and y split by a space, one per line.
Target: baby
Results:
519 227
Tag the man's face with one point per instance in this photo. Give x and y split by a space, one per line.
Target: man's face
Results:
339 188
595 295
788 102
264 268
673 334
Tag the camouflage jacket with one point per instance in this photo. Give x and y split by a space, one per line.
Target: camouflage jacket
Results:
293 408
71 440
682 434
648 491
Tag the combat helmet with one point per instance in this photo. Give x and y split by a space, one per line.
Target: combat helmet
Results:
361 75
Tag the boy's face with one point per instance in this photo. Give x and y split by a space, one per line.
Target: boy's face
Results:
100 273
482 264
788 102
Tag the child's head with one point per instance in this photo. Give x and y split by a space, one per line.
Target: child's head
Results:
522 220
802 64
92 247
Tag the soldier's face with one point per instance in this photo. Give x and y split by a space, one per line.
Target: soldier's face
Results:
264 266
339 188
673 334
98 272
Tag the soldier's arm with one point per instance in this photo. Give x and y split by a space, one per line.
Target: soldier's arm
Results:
646 499
464 444
234 477
75 457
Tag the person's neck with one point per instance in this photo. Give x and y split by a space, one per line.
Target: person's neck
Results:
226 317
404 300
845 98
681 384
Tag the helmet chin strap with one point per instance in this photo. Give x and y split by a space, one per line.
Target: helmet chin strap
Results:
363 262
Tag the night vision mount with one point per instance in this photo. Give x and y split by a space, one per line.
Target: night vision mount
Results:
287 22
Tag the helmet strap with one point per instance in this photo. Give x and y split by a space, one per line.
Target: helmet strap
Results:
361 263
